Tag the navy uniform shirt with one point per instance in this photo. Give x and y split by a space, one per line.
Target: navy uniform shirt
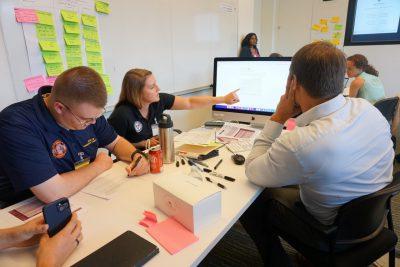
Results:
130 124
34 147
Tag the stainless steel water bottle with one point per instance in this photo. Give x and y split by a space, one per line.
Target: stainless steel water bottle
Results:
166 133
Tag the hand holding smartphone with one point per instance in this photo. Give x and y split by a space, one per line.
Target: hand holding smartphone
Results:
57 214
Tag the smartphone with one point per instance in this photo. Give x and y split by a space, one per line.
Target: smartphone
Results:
57 214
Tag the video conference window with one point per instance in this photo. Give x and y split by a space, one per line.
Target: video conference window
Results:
372 22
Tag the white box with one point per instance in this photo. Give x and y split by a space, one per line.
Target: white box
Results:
193 203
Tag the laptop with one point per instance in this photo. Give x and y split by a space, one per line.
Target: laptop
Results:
128 249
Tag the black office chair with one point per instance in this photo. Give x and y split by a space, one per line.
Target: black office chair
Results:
388 108
358 236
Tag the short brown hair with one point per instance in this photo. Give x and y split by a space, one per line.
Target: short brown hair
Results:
320 68
361 62
80 85
132 87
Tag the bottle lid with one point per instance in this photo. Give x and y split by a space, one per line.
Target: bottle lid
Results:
165 121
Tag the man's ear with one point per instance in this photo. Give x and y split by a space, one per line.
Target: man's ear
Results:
58 107
294 84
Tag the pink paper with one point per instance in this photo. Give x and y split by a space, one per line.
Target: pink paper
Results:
150 215
149 220
51 80
32 84
290 124
172 235
147 223
26 15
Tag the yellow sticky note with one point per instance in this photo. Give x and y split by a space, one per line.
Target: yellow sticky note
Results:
96 66
94 57
106 79
335 41
324 29
45 17
323 21
74 62
316 27
109 89
71 27
54 69
49 46
92 46
70 16
45 32
90 33
51 57
73 51
335 19
102 7
89 20
337 35
72 39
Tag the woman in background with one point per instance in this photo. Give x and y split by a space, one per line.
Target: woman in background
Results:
249 46
141 104
366 84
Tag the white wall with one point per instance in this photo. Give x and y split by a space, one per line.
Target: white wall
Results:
249 18
7 93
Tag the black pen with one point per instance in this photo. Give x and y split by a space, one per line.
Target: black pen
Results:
219 175
219 163
136 162
218 184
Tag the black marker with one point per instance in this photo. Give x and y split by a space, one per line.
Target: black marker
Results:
218 184
219 163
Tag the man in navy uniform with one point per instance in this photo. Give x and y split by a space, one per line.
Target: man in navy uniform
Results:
49 143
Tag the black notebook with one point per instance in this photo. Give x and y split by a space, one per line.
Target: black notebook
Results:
128 249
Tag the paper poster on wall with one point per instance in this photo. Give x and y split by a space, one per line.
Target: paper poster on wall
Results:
328 29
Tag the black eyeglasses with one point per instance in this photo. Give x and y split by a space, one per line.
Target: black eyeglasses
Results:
84 121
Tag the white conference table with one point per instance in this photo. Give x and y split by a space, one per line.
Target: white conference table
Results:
103 220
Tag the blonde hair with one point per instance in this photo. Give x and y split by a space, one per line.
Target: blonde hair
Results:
132 87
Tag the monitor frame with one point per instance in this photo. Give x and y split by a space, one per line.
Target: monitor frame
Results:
253 112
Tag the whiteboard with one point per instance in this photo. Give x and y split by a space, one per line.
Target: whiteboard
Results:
176 39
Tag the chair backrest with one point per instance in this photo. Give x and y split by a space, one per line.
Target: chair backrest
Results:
362 218
387 107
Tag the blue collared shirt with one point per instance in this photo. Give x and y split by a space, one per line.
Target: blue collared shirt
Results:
34 147
340 150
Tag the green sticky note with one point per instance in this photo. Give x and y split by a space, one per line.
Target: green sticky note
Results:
45 32
70 16
338 27
102 7
106 79
92 46
337 35
51 57
45 17
109 89
94 57
73 51
96 66
54 69
72 39
89 20
74 62
49 46
71 27
90 33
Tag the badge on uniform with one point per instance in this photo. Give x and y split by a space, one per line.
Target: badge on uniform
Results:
82 162
138 126
154 129
59 149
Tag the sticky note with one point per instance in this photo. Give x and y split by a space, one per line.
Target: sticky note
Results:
51 80
338 27
149 220
335 41
74 62
71 27
172 235
90 33
51 57
337 35
72 39
323 21
54 69
26 15
290 124
70 16
73 51
96 66
102 7
106 79
45 32
94 57
32 84
316 27
49 46
45 17
89 20
324 29
335 19
92 46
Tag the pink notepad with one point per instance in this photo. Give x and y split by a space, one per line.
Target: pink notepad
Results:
172 235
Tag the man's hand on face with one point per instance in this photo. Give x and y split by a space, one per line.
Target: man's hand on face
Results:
287 107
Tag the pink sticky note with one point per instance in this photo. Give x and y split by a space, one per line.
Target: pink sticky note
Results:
150 215
172 235
32 84
26 15
147 223
51 80
290 124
